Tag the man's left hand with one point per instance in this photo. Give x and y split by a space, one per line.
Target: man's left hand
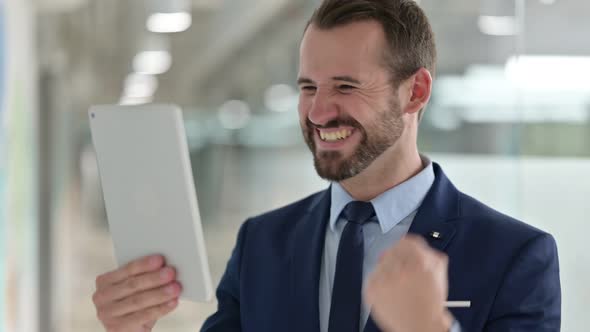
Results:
408 289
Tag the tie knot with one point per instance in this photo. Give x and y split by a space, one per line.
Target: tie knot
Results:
358 212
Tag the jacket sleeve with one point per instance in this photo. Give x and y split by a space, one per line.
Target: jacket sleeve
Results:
529 298
227 316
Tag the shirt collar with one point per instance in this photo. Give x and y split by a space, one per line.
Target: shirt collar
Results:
393 205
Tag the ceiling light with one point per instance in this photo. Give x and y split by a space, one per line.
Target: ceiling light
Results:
135 101
152 62
169 22
498 25
140 86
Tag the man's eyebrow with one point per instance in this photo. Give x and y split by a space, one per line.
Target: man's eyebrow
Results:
305 80
346 79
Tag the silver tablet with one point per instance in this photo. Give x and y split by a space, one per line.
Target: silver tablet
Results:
148 188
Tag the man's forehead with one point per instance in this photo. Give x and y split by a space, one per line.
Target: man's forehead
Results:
351 50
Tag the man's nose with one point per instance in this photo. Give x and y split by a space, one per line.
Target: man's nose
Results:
323 109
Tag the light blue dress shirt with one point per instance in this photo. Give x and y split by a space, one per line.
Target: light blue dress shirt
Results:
395 210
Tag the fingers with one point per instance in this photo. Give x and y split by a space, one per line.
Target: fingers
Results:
136 267
148 315
410 244
412 251
410 276
134 285
405 247
442 258
143 300
134 296
373 281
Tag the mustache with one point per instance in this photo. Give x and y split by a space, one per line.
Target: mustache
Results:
335 123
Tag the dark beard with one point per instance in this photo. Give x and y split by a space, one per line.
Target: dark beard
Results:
331 165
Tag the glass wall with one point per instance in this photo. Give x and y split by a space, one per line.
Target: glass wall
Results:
2 167
508 121
19 290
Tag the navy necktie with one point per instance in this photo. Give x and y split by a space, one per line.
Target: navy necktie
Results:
345 308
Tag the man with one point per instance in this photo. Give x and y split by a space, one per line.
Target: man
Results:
340 259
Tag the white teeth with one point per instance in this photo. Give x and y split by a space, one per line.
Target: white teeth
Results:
335 135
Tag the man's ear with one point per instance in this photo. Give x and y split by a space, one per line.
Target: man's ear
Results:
420 89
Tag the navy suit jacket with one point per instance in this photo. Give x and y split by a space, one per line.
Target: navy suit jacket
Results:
507 269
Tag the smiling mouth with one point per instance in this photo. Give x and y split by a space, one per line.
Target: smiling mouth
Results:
334 135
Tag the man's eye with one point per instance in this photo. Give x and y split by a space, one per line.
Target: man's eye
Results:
308 88
345 87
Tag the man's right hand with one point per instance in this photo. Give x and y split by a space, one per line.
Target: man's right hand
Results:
133 297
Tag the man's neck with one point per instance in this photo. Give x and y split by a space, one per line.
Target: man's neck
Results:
387 171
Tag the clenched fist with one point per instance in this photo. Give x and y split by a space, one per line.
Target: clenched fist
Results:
133 297
408 289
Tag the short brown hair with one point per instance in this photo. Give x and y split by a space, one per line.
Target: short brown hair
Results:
409 34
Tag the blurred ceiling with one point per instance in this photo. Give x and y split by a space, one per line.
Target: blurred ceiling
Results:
233 48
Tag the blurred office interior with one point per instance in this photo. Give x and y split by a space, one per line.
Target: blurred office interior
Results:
509 121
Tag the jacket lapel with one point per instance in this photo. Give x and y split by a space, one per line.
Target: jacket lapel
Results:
306 264
439 206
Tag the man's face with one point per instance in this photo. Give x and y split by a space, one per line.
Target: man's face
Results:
348 111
